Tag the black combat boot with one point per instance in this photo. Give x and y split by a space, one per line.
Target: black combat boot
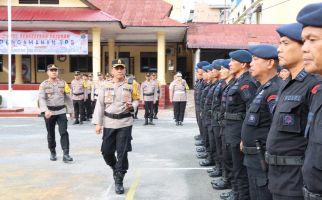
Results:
146 122
81 122
118 178
66 157
177 123
180 123
155 116
53 155
151 121
217 171
76 122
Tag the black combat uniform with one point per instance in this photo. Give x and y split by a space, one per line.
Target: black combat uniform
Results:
200 84
285 142
254 134
240 95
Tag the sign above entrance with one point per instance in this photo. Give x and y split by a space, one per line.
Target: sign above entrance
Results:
45 42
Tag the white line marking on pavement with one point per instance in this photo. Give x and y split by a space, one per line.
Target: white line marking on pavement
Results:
179 168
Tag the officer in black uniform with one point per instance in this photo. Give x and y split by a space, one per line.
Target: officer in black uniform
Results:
285 142
215 106
259 118
213 73
225 181
240 95
198 90
311 18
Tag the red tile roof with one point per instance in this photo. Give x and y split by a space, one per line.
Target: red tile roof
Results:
139 12
25 13
230 36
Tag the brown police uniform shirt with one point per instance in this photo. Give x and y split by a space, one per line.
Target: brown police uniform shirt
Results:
78 90
96 86
178 90
149 91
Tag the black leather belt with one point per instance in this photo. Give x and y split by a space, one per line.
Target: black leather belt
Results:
55 108
311 196
77 94
234 116
149 94
250 150
283 160
95 95
117 116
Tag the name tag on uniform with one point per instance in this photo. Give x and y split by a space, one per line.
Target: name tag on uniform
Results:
296 98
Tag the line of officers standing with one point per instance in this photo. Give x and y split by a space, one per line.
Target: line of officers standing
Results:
263 134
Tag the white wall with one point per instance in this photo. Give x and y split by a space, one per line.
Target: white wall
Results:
20 98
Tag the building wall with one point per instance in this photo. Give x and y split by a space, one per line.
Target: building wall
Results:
272 11
62 3
203 13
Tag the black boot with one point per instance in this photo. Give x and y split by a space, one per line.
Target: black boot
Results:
146 122
76 122
180 123
177 123
66 157
53 155
151 121
118 178
155 116
81 122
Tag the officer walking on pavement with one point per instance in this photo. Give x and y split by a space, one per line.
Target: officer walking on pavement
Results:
112 114
259 118
79 96
178 96
240 95
285 142
149 95
310 17
54 101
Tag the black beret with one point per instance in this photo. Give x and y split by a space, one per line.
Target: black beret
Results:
242 56
311 15
292 31
265 51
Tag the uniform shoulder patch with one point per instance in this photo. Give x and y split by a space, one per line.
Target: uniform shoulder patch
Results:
271 98
316 88
244 87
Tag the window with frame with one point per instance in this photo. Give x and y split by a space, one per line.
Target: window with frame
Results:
149 61
1 63
82 63
43 61
38 1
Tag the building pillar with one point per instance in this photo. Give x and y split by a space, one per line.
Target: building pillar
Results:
18 65
196 60
111 53
161 57
96 51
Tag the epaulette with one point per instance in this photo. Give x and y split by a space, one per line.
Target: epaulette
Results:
130 81
301 76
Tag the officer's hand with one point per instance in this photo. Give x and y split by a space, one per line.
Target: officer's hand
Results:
154 102
98 129
48 114
71 116
241 146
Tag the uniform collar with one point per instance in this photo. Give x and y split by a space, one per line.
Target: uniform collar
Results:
301 76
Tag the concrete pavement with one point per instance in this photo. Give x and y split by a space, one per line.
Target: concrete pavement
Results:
162 163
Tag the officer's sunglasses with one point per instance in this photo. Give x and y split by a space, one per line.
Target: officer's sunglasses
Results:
53 70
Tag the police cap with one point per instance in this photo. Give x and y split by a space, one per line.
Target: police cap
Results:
118 62
242 56
265 51
51 66
292 31
311 15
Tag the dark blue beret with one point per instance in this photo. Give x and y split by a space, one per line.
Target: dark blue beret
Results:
311 15
266 51
209 67
201 64
225 63
242 56
205 68
217 63
292 31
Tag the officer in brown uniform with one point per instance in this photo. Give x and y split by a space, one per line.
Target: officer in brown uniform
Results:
88 108
96 85
112 114
149 95
54 101
79 96
156 104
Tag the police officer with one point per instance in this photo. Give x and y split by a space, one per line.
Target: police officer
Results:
285 142
178 96
54 101
199 85
136 97
311 18
158 86
240 95
112 113
215 106
225 181
98 84
149 95
259 118
79 96
88 107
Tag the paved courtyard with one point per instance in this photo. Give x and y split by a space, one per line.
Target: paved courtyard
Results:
162 163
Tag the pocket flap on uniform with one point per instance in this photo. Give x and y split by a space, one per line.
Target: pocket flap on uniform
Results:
289 106
261 181
254 108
